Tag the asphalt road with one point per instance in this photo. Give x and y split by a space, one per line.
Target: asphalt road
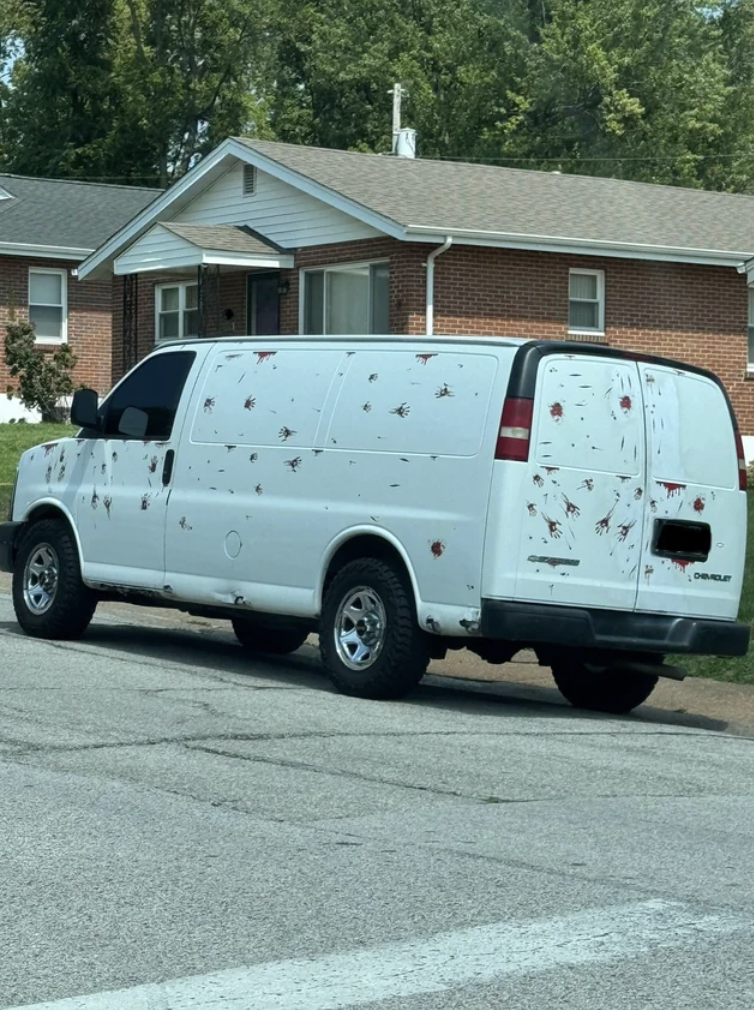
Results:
183 827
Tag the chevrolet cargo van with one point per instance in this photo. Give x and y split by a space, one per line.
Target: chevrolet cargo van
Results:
401 497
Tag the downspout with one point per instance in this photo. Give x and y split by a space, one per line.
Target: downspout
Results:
430 306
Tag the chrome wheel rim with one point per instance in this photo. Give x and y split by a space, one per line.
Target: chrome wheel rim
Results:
360 626
41 577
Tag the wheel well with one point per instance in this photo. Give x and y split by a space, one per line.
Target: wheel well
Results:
46 512
367 546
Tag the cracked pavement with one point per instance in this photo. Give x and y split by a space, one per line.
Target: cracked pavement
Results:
170 806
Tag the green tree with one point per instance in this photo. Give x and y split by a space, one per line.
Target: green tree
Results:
462 62
43 379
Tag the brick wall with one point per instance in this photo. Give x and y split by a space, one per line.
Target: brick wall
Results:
89 318
697 314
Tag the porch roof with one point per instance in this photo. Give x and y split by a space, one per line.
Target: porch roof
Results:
174 246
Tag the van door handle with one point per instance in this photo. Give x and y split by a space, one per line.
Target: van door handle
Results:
167 468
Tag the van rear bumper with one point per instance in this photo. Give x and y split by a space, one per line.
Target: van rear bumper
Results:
627 631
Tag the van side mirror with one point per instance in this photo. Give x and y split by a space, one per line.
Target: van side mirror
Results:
84 409
133 423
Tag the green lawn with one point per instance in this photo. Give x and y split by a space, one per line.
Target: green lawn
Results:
15 438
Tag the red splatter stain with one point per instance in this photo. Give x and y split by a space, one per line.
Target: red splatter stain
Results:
556 411
699 504
146 441
107 501
153 464
293 464
624 530
49 447
209 404
603 526
184 524
444 390
625 403
650 380
570 508
550 470
232 357
367 407
531 509
553 527
587 485
648 572
264 355
145 502
621 478
95 498
424 358
254 457
683 565
437 548
259 489
251 402
373 377
653 505
672 489
536 479
638 493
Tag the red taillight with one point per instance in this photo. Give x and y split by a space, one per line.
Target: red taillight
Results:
743 482
515 429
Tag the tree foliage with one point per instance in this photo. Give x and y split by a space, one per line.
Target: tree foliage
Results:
138 90
42 378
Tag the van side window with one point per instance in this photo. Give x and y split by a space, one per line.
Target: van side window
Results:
155 387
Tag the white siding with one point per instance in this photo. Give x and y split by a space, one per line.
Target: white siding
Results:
277 210
157 249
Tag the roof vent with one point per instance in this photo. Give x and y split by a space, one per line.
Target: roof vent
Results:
249 180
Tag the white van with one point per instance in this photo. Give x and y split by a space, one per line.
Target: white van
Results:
401 497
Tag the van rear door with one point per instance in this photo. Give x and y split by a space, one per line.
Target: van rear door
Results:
694 537
583 492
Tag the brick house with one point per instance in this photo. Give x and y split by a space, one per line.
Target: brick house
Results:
47 227
268 238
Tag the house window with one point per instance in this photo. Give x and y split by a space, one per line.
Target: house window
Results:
177 311
586 301
48 305
353 298
750 361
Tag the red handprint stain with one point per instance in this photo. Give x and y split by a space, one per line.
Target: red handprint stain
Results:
402 411
624 530
553 527
571 509
603 526
209 405
251 402
587 485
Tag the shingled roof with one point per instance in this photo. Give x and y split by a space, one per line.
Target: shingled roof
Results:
65 214
469 198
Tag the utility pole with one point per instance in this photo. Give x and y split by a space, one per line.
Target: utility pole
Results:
397 92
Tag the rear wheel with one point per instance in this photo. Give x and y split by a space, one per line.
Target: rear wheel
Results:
370 642
275 641
49 596
600 688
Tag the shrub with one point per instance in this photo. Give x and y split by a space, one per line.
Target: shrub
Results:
43 377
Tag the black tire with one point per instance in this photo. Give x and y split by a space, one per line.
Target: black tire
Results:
73 604
404 655
601 689
275 641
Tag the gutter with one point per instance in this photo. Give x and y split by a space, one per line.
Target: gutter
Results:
430 303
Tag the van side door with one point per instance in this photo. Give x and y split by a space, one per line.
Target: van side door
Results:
122 498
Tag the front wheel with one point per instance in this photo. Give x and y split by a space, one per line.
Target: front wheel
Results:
49 596
274 641
370 642
601 689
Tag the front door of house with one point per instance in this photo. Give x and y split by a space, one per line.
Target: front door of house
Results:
263 304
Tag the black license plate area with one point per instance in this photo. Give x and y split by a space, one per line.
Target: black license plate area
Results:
681 539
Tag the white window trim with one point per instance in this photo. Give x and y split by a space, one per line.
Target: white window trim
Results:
181 285
750 326
324 269
586 331
63 274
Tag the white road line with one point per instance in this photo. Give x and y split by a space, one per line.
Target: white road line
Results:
441 963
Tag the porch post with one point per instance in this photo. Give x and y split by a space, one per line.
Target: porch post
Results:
130 321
